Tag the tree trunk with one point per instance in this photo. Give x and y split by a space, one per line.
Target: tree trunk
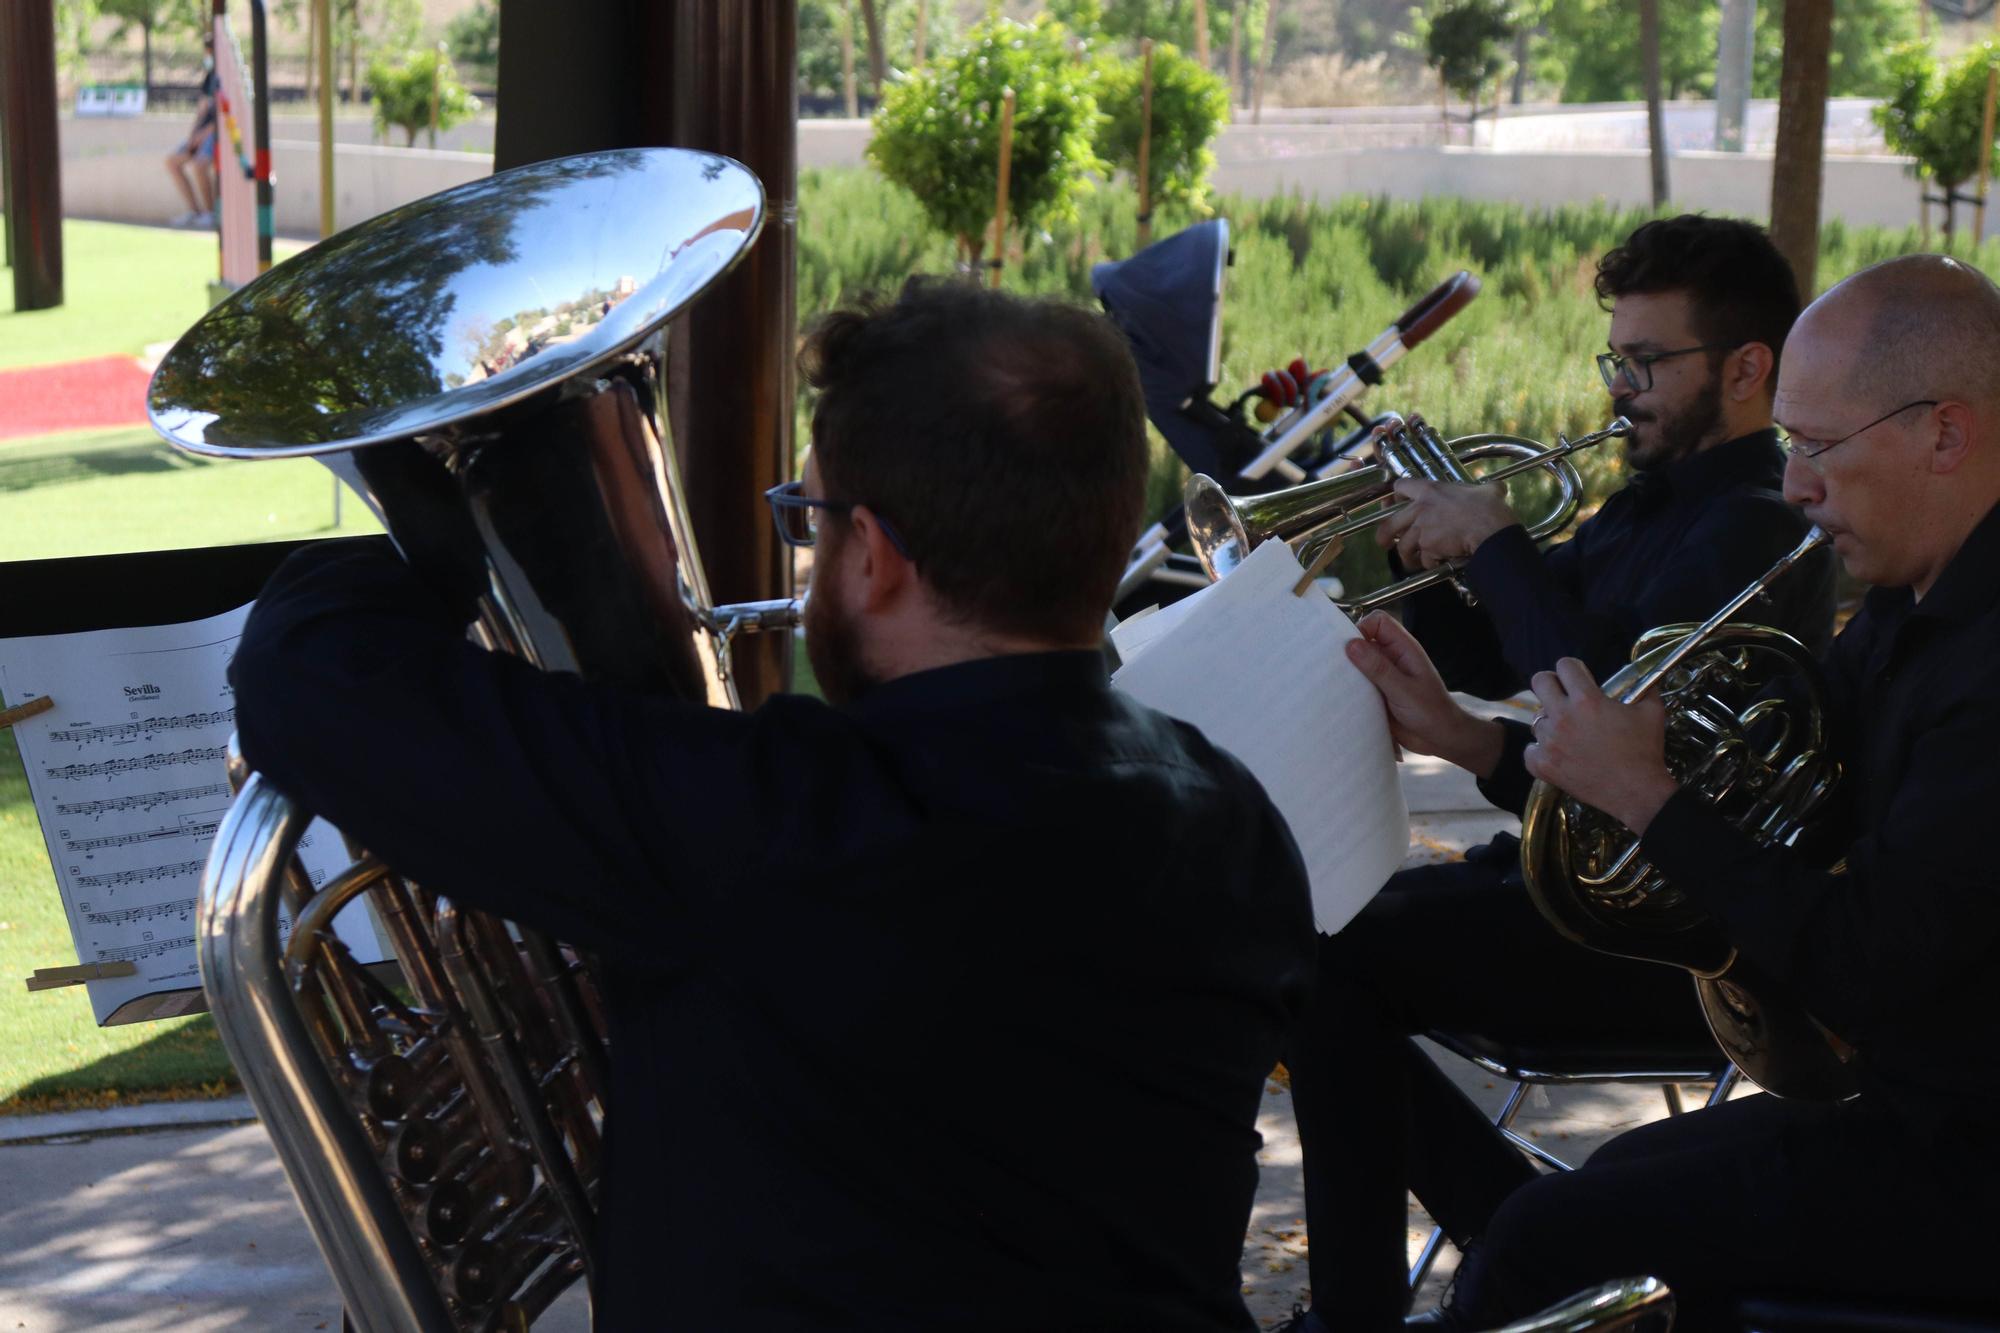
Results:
1201 32
1520 64
847 60
1656 126
877 66
917 53
1796 164
146 58
1264 61
1236 54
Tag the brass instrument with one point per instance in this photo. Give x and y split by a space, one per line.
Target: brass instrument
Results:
1765 763
1313 519
487 366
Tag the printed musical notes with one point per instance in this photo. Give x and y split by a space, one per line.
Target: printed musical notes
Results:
143 730
151 800
129 772
137 764
143 875
181 909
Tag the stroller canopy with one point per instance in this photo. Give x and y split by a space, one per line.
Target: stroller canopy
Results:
1167 300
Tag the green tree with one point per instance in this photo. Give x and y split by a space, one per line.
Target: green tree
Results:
1127 21
154 18
1935 114
402 93
820 22
1465 42
937 132
473 38
1190 105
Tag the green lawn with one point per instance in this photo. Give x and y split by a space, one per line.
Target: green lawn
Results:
123 288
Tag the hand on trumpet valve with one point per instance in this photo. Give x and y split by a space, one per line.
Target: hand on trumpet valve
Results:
1607 754
1423 717
1443 520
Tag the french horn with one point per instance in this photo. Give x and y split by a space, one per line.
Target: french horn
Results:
487 367
1760 757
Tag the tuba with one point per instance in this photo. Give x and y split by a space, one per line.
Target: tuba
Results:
1765 763
1315 518
487 368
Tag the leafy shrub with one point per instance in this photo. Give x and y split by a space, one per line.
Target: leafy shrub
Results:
1935 113
1190 105
937 133
402 94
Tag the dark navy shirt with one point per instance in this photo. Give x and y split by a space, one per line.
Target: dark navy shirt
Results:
1900 954
951 1010
1673 545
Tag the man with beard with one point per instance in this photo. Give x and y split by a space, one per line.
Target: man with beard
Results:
1888 397
944 1004
1700 308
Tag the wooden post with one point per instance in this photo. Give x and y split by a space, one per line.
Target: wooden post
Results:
1235 56
34 180
437 76
923 13
1263 62
847 59
1200 31
1985 157
1146 142
999 259
323 21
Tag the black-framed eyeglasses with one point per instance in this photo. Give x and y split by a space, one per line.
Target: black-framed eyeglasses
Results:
1810 449
1637 371
794 513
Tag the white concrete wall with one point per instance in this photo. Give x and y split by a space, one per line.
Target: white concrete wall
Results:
111 170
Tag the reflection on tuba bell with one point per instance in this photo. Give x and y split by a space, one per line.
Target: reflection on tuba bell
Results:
499 350
1315 518
1765 763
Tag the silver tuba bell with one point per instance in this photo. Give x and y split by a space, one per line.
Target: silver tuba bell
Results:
486 367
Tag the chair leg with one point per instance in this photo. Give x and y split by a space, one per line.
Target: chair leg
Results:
1673 1095
1724 1086
1425 1260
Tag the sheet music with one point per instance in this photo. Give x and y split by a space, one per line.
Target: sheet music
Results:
129 778
1265 675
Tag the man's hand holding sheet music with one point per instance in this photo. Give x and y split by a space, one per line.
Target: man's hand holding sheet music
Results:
1423 717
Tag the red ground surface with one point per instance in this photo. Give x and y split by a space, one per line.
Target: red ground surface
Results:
40 400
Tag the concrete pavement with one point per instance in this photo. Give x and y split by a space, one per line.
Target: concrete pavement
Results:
110 1225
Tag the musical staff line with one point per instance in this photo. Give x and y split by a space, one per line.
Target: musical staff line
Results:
122 730
180 907
143 800
109 767
203 829
112 879
132 953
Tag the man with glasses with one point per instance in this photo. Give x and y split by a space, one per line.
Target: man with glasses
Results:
1889 397
948 1001
1700 308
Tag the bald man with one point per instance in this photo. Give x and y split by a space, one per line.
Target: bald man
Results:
1890 397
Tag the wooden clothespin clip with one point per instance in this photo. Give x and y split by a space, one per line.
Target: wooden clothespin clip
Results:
54 978
1317 568
22 712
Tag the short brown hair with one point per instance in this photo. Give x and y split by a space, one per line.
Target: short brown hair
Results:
1004 439
1740 289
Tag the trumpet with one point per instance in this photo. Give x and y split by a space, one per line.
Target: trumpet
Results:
1316 518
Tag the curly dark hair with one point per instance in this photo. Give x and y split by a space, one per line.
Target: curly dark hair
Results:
1740 288
1003 438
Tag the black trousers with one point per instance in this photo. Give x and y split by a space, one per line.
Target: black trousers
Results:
1759 1197
1456 946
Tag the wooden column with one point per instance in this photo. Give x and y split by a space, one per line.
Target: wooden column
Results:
33 156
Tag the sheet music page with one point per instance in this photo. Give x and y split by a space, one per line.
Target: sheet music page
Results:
1265 676
130 780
